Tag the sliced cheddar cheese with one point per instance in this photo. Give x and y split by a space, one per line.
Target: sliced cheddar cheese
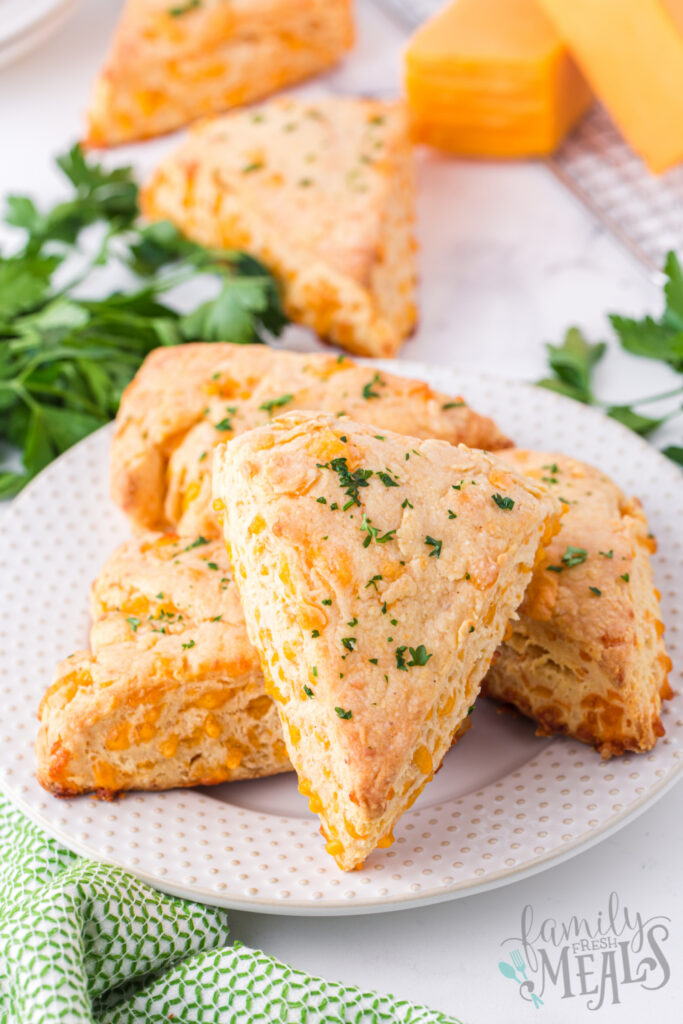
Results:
631 51
492 78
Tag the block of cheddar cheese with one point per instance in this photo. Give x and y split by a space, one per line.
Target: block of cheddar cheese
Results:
172 62
631 51
492 78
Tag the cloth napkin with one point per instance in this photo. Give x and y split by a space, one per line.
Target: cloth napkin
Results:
87 943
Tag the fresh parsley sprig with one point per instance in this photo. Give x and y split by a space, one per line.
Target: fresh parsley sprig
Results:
572 363
65 358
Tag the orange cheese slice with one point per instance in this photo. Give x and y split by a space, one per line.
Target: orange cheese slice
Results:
493 78
632 53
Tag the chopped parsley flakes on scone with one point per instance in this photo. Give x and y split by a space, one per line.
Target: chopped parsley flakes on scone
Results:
322 192
171 693
377 574
187 399
586 656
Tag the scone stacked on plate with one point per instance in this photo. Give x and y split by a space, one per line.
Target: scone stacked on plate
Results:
186 400
171 692
322 192
378 574
586 656
411 536
172 62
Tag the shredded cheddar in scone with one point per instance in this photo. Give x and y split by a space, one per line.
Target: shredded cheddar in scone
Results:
586 656
171 692
173 61
380 644
327 205
187 399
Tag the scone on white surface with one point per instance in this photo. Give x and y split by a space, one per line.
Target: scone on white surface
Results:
171 692
322 192
186 399
378 574
586 657
172 61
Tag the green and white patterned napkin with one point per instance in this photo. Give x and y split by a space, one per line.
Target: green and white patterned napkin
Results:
82 942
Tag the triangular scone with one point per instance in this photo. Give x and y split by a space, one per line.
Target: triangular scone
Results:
186 399
377 574
586 655
172 62
171 693
322 192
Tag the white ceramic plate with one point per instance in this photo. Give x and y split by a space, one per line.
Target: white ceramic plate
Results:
25 24
505 803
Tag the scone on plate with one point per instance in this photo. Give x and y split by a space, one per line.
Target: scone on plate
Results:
186 399
586 656
171 693
377 574
172 62
321 191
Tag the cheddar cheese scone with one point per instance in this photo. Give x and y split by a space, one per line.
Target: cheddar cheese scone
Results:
172 62
586 655
322 192
186 399
171 693
377 574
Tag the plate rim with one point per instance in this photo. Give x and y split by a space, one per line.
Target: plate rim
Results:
375 904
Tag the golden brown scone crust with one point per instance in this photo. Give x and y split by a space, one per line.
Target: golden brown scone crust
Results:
322 192
170 63
590 665
162 450
171 693
376 602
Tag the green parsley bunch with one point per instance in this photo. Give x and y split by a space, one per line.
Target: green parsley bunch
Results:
65 358
572 363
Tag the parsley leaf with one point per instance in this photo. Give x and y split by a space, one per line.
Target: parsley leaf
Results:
436 546
367 388
198 543
276 403
572 363
674 452
643 425
343 714
418 656
350 482
189 5
574 556
503 502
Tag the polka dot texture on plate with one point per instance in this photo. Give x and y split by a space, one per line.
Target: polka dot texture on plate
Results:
557 798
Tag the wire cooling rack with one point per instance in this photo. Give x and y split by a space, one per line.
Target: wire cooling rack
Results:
642 210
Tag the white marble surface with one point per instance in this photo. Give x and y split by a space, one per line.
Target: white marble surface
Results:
508 261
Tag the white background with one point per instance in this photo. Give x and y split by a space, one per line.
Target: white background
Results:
509 260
